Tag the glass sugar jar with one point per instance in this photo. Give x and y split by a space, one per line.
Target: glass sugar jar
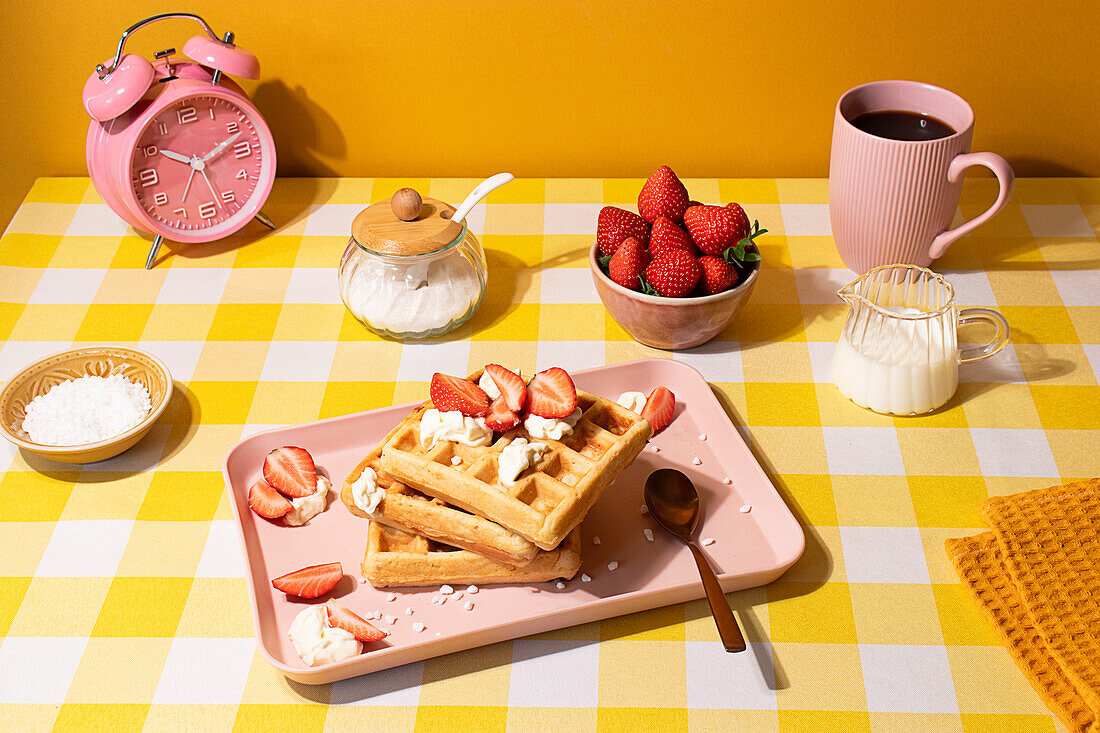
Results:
408 271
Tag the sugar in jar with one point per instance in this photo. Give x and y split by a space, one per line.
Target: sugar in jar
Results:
410 278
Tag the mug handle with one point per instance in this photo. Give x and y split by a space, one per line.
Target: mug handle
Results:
999 340
1005 178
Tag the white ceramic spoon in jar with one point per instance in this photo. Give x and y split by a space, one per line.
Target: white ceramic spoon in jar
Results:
482 190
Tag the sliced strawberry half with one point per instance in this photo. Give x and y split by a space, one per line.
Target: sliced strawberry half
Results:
499 417
339 616
659 407
455 393
310 582
266 501
291 470
552 394
511 386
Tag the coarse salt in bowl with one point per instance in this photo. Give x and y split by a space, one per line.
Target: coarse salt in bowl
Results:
101 361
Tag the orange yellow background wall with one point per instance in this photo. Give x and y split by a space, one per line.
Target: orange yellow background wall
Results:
573 88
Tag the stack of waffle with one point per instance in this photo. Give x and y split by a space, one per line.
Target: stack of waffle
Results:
453 521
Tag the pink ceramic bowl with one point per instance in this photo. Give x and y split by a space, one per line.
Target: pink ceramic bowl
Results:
669 323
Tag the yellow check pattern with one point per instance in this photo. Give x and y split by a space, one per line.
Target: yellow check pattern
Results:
122 601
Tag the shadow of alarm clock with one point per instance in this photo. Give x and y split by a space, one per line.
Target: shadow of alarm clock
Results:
175 148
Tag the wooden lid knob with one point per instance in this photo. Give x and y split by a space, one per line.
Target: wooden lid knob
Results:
377 228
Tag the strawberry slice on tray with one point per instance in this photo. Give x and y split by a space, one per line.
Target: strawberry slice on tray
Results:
310 582
291 470
659 407
511 386
266 501
339 616
455 393
551 393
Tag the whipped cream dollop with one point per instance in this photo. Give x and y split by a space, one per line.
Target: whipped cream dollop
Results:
549 428
366 493
632 401
517 457
308 507
318 643
454 426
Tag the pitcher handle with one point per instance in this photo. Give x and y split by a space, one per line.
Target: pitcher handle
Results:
1005 178
999 340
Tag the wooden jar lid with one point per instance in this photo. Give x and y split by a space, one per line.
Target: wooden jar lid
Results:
378 229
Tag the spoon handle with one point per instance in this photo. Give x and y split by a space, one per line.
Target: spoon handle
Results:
728 629
482 190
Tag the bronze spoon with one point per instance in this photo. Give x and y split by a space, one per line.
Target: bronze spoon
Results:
674 503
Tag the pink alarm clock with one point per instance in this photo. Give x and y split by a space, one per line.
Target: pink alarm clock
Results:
175 148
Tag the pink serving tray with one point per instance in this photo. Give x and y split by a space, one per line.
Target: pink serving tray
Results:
751 549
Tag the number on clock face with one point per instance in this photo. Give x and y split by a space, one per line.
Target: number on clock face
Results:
223 158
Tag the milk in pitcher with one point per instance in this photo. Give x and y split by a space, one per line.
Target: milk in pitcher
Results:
909 367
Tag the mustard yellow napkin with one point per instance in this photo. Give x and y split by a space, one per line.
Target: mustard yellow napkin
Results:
1037 576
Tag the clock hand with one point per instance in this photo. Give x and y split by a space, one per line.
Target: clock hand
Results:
188 186
217 200
220 147
175 156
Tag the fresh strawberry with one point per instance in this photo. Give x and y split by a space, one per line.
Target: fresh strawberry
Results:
718 275
628 264
615 225
666 235
455 393
715 228
500 418
674 275
339 616
746 250
266 501
662 194
291 470
310 582
551 394
659 407
510 384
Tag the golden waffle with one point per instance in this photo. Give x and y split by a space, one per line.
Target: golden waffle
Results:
398 558
406 509
1037 577
549 499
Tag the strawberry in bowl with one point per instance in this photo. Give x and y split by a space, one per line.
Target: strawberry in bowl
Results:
676 273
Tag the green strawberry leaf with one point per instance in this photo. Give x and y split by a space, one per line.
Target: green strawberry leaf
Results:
646 287
752 257
734 255
756 232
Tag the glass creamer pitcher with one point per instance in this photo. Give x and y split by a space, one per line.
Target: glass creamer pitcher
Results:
898 353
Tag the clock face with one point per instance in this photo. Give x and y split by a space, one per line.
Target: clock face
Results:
196 164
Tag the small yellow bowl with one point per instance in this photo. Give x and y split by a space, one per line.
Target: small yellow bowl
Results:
99 361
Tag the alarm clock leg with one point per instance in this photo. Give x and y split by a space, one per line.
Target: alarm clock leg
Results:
263 219
153 249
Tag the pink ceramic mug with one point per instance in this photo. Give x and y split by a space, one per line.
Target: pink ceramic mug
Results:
890 200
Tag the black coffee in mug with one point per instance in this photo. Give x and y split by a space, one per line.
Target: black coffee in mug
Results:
902 125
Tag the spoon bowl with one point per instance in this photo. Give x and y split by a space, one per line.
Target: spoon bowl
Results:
673 501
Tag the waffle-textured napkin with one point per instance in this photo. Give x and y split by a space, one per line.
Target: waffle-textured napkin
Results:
1036 574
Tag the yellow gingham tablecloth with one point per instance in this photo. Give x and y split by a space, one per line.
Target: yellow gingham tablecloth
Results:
122 601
